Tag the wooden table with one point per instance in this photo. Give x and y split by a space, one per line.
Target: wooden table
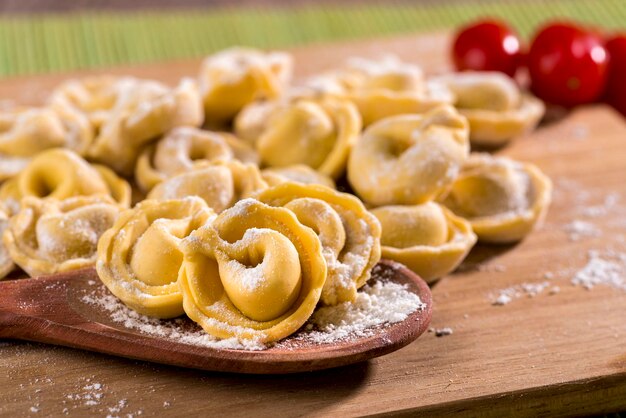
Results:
559 353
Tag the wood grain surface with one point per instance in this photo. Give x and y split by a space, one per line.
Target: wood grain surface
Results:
556 353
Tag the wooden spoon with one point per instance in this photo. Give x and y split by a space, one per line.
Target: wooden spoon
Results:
51 310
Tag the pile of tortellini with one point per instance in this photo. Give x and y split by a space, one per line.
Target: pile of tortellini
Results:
217 198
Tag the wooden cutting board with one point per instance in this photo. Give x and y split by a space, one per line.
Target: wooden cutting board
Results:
559 353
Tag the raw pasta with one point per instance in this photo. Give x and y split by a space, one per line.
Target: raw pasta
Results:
409 159
140 256
6 263
349 234
427 238
219 185
494 106
382 88
502 199
128 113
303 130
60 173
235 77
298 173
50 236
254 273
25 132
184 149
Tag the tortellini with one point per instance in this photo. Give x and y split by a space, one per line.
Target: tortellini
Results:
502 199
184 149
318 132
383 88
349 234
254 273
409 159
24 132
140 256
493 104
427 238
6 263
219 185
231 79
298 173
49 236
128 113
60 173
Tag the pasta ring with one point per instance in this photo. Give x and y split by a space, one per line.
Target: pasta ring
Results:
220 185
409 159
26 132
494 106
502 199
255 273
60 173
235 77
128 113
428 238
140 256
50 236
350 235
184 149
318 132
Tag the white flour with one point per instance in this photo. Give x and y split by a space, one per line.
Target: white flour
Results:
608 268
381 303
375 305
506 296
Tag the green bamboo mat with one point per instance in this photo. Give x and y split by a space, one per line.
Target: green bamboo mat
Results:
50 43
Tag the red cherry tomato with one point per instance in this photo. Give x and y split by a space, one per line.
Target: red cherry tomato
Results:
486 45
615 93
567 65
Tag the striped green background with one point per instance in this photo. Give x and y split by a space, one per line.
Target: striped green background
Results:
48 43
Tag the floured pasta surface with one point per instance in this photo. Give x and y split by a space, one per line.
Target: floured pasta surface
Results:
502 199
298 173
220 185
382 88
140 256
255 273
25 132
409 159
235 77
128 113
494 106
242 227
50 236
427 238
349 234
6 262
317 132
183 149
60 173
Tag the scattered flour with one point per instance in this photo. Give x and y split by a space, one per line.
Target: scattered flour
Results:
89 395
607 269
441 332
578 229
378 304
506 296
502 299
171 329
609 203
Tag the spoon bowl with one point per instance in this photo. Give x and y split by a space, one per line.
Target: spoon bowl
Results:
52 309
